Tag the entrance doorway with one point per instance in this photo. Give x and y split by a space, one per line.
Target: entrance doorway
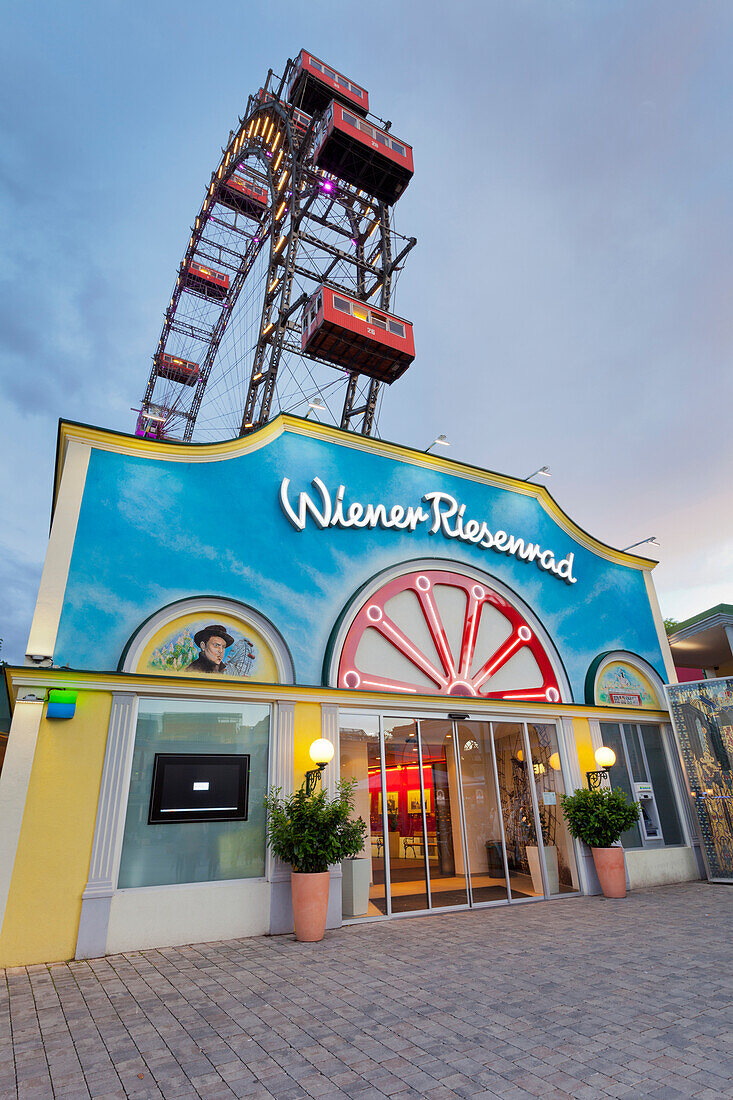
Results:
459 812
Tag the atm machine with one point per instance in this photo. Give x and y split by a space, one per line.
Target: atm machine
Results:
649 819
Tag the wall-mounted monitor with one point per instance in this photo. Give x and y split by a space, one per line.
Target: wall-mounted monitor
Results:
194 787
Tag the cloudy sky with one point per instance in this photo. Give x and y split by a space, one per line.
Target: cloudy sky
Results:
572 290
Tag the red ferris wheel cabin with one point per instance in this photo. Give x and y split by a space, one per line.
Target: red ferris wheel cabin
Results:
363 155
178 370
243 195
313 85
356 336
205 280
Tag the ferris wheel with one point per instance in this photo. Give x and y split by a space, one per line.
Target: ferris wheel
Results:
282 300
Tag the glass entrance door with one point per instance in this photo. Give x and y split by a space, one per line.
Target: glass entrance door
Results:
460 812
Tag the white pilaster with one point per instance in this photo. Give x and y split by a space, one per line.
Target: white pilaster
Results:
282 746
109 828
330 732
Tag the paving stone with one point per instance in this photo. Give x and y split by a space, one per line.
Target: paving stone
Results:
579 1001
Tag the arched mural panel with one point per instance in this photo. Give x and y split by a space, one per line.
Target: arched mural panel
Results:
205 636
432 628
622 679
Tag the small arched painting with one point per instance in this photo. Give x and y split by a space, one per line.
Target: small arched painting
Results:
437 632
212 645
619 684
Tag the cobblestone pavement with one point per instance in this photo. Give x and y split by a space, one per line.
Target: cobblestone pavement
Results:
582 997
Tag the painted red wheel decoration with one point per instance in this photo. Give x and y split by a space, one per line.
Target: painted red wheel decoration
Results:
438 633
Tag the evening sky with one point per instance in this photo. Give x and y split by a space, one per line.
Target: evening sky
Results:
571 290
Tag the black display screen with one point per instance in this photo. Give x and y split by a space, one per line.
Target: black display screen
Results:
192 787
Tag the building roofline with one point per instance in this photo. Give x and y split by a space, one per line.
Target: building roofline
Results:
168 450
720 615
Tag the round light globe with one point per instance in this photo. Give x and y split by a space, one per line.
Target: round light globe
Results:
321 751
554 761
605 758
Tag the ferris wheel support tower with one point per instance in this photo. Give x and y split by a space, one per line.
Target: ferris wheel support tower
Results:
296 223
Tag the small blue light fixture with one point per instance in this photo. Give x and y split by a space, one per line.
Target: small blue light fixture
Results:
61 703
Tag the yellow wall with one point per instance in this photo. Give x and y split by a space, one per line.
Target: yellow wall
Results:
55 845
584 745
307 730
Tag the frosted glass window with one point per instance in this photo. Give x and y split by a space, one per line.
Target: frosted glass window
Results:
619 776
662 785
195 851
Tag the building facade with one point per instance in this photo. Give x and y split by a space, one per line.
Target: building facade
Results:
207 611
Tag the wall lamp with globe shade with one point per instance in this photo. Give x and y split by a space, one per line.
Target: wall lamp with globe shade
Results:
605 759
321 753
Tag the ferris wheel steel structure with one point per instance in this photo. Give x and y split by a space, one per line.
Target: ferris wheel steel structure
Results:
272 227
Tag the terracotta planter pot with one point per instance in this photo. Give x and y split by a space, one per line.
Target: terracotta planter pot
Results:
611 871
310 905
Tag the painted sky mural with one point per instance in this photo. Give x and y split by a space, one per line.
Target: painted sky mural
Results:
151 532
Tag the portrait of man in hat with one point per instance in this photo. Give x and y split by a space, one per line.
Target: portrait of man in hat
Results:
212 642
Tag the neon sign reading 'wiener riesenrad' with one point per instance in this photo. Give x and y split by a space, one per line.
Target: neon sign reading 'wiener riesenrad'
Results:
443 514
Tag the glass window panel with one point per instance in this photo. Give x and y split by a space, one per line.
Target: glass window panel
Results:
341 305
446 861
398 148
349 118
662 785
619 776
636 760
516 804
396 328
482 812
379 322
360 312
363 882
406 838
194 851
562 873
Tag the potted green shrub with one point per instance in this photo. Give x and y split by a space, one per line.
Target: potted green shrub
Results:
599 818
311 832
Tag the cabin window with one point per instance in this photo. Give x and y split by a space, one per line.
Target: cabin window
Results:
380 322
342 81
396 328
398 148
341 305
366 128
357 92
316 65
381 138
360 312
349 118
319 303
